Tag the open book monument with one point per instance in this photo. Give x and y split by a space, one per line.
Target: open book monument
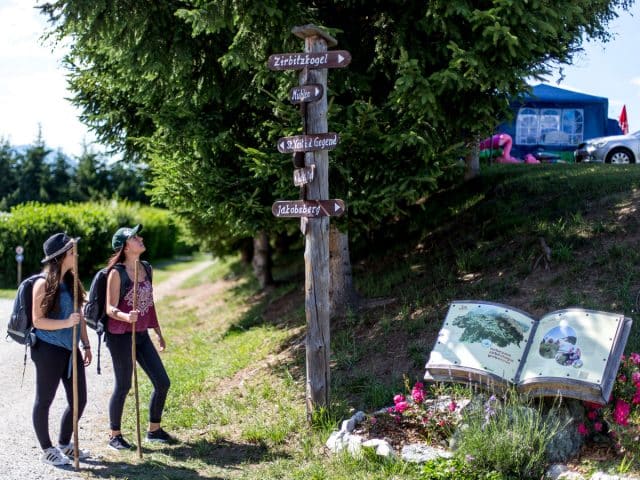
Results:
573 353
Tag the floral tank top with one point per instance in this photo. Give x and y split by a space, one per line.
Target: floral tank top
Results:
147 317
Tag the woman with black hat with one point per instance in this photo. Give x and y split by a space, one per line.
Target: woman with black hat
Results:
128 246
53 320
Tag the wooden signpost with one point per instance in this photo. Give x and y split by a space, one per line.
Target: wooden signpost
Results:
314 207
306 93
304 175
308 143
308 208
297 61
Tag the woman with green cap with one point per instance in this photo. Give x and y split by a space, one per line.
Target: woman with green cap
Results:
128 246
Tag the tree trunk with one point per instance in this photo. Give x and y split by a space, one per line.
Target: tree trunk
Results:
342 294
472 161
262 259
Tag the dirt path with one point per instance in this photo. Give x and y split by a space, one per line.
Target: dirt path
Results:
19 452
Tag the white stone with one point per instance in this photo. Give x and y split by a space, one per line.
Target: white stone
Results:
382 447
419 453
335 442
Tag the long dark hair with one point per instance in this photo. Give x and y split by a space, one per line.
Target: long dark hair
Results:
53 270
118 257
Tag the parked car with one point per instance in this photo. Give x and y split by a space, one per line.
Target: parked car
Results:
615 149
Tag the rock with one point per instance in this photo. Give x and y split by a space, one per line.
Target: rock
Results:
566 443
419 453
382 447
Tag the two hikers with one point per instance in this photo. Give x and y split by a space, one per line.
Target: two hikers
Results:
54 318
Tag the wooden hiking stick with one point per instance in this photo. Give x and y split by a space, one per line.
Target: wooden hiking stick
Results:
133 356
74 356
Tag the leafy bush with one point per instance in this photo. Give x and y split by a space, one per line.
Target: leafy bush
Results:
507 435
30 224
620 418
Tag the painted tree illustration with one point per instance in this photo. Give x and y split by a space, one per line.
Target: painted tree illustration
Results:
497 327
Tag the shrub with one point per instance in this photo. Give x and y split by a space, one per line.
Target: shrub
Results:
507 435
30 224
620 418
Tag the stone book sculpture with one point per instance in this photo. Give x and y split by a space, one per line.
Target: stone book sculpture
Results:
573 353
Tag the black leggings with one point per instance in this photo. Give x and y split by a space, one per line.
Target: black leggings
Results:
52 365
147 356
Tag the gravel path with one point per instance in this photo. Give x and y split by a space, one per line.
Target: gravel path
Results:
20 453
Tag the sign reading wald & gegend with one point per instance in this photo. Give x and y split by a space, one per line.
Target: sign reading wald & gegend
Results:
297 61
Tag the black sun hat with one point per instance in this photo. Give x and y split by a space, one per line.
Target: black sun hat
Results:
57 244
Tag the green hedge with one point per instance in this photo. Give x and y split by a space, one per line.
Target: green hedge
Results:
29 225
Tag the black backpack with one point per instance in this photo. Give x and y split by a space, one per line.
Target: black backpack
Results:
20 326
94 312
20 323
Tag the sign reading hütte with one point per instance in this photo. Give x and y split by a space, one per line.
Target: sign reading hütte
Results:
298 61
306 93
308 208
308 143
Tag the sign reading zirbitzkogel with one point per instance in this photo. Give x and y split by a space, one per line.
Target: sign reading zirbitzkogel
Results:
297 61
308 208
308 143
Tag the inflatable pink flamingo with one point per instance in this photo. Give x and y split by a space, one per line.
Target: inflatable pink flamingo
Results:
505 141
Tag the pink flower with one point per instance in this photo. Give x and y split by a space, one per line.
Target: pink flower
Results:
635 378
398 398
597 426
621 378
592 415
401 407
636 398
417 395
452 406
635 358
373 420
621 412
583 430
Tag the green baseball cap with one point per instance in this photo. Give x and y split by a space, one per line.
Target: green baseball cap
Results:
123 234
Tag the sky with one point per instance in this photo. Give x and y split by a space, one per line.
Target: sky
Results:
33 87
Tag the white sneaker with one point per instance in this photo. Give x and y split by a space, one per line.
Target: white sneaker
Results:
67 450
53 456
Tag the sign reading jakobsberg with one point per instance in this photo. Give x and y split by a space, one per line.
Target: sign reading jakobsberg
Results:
308 208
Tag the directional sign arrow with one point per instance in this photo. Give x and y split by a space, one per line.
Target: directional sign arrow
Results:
306 93
297 61
308 208
308 143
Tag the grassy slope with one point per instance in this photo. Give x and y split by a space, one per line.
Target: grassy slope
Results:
237 355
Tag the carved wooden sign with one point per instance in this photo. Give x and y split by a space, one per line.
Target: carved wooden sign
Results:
306 93
302 176
298 61
308 143
308 208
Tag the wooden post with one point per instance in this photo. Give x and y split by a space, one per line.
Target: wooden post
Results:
316 255
74 360
134 358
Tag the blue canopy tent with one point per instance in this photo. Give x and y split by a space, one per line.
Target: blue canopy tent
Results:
551 121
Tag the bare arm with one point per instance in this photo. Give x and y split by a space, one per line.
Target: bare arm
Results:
113 298
40 321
